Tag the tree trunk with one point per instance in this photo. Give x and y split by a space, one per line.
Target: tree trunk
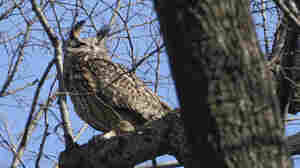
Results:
217 67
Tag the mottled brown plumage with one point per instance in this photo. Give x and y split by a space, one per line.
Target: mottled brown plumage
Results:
105 94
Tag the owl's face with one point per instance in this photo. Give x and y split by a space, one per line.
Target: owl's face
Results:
92 47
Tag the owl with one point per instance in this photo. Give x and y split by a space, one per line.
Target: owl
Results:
105 94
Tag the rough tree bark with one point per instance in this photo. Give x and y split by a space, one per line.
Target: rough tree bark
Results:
212 46
164 136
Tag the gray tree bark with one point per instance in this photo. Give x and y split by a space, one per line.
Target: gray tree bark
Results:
214 56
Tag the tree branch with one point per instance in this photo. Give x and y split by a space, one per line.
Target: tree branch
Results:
164 136
31 121
59 66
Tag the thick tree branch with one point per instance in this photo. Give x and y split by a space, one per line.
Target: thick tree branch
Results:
164 136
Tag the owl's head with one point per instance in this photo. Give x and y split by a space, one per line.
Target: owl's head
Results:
92 47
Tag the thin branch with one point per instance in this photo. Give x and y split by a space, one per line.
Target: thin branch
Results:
68 133
11 148
52 4
125 22
43 110
170 164
82 129
289 10
18 62
149 55
11 38
11 145
157 78
10 10
30 122
42 145
113 18
11 92
264 19
292 119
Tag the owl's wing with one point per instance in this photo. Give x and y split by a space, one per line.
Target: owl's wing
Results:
125 92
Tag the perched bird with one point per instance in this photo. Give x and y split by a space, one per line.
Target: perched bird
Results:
105 94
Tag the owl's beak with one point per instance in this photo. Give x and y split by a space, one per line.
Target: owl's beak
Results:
75 33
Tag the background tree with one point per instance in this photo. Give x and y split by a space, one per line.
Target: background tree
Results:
35 121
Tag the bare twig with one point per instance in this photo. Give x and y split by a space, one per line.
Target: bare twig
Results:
10 92
125 22
43 110
158 49
30 122
171 164
10 144
11 149
264 19
156 84
10 10
45 135
292 119
52 4
82 129
18 62
113 18
68 133
289 8
11 38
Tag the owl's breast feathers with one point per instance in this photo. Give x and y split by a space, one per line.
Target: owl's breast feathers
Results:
114 90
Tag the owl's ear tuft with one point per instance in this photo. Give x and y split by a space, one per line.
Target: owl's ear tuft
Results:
75 32
103 32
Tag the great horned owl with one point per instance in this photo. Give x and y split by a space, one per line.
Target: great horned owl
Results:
105 94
